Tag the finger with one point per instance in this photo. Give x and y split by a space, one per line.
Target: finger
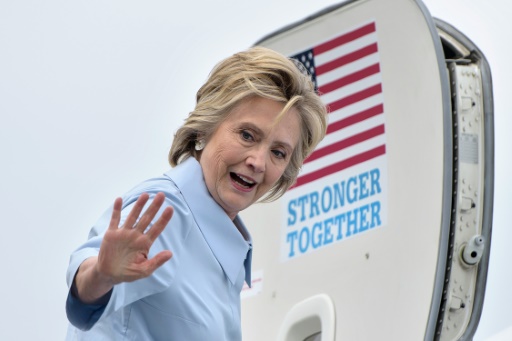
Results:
135 212
150 213
116 214
157 261
160 224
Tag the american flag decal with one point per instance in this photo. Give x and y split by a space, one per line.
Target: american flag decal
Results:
346 73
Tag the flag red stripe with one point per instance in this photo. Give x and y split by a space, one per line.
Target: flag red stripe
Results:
356 118
355 97
345 38
351 78
345 59
341 165
349 141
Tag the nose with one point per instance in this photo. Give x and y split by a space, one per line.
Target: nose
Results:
257 160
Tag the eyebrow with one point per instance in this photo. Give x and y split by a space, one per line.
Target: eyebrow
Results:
260 132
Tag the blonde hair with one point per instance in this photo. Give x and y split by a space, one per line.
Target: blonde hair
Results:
256 72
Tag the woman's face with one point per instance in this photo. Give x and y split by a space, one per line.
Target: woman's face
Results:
248 153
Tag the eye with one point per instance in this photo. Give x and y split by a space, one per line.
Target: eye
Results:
279 154
246 135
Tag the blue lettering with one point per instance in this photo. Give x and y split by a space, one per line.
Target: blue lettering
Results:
321 233
351 222
327 231
339 219
363 223
291 238
352 181
314 205
304 240
316 235
375 213
375 176
292 215
363 190
302 202
339 194
326 191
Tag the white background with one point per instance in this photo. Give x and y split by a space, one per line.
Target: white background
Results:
91 93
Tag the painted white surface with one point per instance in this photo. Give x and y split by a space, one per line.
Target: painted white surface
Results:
90 95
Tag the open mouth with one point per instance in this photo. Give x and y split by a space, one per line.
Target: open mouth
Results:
242 181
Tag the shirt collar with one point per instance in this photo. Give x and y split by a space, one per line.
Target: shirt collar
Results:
226 242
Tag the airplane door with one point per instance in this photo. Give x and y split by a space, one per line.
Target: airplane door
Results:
386 234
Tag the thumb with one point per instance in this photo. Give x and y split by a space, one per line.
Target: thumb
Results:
159 259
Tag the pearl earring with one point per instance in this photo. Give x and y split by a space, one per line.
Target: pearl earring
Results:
199 145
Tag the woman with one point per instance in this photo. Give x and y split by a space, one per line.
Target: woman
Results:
257 118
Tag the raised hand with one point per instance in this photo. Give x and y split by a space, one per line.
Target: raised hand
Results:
124 251
123 255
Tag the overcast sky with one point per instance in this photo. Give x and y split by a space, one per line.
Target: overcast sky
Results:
91 94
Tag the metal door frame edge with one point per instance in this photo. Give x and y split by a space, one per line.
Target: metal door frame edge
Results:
488 195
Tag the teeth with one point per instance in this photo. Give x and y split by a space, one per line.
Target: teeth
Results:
245 179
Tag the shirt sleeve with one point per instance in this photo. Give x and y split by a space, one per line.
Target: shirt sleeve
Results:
81 315
84 316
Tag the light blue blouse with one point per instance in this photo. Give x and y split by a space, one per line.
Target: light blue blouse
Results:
195 295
